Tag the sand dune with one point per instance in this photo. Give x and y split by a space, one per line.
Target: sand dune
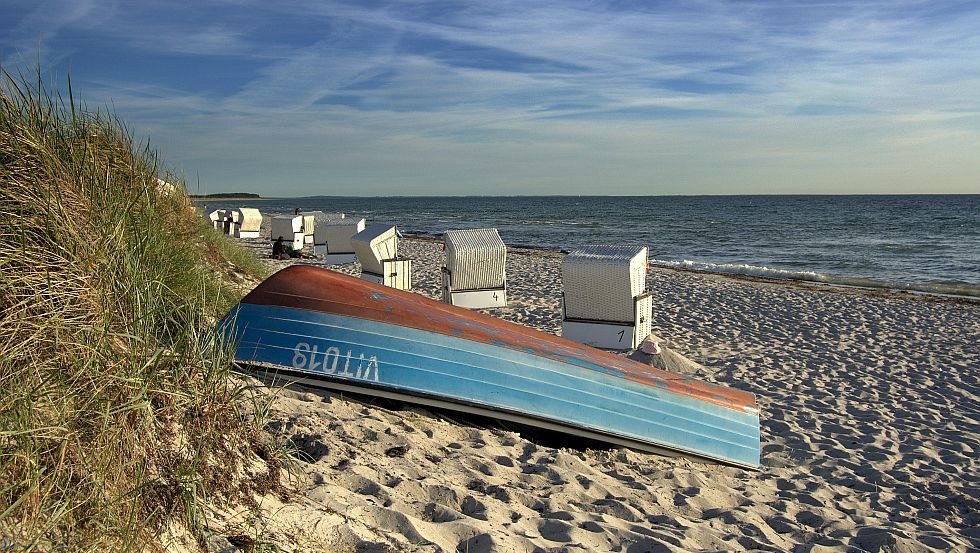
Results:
869 430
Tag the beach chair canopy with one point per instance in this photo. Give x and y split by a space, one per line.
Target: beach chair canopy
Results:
325 216
337 233
285 226
476 259
374 244
601 281
248 218
216 215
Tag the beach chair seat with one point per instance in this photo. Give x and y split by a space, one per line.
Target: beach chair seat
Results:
605 302
247 222
376 248
475 273
332 239
290 227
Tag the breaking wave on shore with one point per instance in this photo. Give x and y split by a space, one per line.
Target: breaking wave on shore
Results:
953 288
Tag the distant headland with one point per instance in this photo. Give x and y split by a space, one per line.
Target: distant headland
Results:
226 196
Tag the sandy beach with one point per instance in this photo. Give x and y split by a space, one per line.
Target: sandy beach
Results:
870 437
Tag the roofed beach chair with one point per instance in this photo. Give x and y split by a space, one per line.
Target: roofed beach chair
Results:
377 249
605 301
308 227
310 220
228 222
335 235
318 239
475 273
248 222
290 227
216 217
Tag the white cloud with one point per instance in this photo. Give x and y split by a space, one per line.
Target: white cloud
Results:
775 94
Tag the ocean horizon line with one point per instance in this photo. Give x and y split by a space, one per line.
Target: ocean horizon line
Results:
232 195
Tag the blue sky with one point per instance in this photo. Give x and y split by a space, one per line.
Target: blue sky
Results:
307 97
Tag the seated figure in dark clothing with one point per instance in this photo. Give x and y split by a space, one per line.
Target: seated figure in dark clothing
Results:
279 250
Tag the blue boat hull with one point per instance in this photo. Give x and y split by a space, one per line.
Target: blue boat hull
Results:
354 353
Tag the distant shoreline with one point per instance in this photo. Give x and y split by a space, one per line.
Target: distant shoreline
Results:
582 196
245 196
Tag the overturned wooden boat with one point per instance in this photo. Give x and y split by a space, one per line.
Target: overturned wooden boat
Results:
328 329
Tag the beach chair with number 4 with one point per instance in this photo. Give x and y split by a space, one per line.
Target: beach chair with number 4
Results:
605 302
475 274
377 249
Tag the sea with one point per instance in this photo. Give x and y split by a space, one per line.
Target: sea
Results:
921 243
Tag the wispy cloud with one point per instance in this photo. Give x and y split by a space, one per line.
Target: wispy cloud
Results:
561 96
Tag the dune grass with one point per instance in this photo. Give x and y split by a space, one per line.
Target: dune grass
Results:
117 416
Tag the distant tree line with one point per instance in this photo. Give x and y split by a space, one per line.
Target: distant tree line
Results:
232 195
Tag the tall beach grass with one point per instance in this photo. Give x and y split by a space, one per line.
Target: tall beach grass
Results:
117 416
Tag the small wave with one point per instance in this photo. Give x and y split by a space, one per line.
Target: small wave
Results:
948 288
953 288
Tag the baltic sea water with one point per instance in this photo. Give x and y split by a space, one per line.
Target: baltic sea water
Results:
927 243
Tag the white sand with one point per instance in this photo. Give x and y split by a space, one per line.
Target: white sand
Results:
869 434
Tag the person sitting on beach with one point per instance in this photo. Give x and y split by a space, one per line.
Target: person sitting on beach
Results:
279 249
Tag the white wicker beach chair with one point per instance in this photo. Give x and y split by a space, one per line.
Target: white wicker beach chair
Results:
308 226
290 227
605 302
248 222
377 249
336 237
216 217
318 239
228 222
475 274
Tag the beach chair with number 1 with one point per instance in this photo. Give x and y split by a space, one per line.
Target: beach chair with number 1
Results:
605 302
